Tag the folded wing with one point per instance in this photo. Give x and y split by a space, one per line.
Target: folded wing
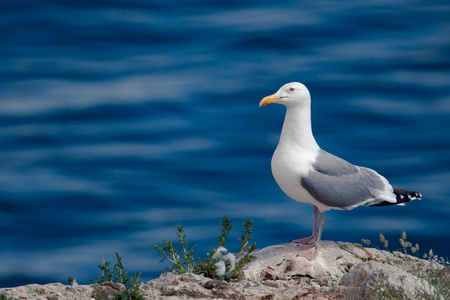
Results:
338 184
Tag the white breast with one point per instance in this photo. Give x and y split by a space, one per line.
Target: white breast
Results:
289 164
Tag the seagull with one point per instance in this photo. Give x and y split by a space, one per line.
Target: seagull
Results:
308 174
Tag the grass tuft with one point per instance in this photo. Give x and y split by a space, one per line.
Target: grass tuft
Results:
117 274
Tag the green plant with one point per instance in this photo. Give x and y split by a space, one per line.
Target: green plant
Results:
4 297
117 274
244 256
226 226
218 263
170 252
207 266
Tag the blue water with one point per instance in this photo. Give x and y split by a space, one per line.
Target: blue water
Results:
121 119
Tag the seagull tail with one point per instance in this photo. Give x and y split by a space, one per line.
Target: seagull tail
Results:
402 197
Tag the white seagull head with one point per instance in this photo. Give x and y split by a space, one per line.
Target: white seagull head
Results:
290 95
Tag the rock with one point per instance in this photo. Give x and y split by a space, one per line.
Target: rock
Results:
366 278
281 262
172 286
49 291
340 271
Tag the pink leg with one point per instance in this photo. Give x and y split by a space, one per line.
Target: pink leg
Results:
311 239
311 251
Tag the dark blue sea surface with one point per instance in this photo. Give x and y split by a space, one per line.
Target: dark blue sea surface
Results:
121 119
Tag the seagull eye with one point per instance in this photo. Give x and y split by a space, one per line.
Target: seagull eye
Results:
291 89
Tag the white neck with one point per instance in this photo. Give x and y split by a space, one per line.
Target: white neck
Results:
297 128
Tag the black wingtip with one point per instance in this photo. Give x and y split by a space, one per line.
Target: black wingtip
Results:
403 196
406 196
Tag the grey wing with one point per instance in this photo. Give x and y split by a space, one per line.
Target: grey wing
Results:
336 183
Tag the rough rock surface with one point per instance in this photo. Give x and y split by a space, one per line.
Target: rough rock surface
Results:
341 271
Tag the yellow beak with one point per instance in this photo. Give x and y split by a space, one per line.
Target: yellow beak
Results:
268 100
